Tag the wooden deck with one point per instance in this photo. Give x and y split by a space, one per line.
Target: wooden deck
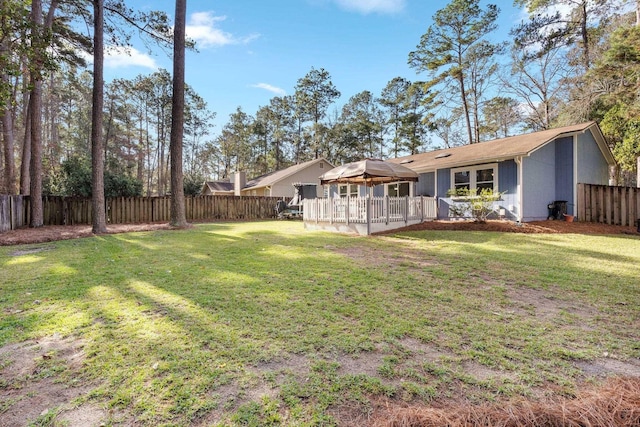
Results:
367 215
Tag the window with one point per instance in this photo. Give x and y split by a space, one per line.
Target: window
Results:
476 177
484 179
462 179
350 190
398 189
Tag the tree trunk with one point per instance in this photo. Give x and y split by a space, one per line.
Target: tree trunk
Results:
35 188
38 47
97 154
585 37
9 160
35 103
108 129
465 110
6 117
178 216
25 166
476 122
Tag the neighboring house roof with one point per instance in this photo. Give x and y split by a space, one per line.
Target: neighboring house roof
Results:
499 149
273 177
219 186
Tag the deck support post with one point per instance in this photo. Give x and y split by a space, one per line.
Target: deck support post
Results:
368 209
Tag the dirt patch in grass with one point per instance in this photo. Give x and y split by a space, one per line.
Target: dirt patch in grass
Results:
606 366
538 303
41 378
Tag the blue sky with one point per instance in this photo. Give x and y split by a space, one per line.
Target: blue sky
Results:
251 51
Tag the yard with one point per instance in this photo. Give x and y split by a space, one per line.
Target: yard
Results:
262 323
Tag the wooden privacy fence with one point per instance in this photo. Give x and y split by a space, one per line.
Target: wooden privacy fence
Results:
608 205
130 210
11 212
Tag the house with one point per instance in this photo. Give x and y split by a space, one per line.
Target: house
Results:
217 188
274 184
532 170
279 183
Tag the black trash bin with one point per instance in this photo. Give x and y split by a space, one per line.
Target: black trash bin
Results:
557 209
638 225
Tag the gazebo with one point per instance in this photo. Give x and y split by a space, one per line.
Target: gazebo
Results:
366 215
369 172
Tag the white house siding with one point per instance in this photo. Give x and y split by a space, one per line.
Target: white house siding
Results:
310 175
539 183
284 186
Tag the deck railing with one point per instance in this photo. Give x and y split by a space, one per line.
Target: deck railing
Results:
363 210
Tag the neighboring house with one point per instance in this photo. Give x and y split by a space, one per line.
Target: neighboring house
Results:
217 188
274 184
533 170
280 183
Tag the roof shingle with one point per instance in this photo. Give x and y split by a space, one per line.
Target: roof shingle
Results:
492 151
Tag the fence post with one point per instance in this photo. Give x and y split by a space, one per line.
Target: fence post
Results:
386 206
406 209
346 210
332 205
581 211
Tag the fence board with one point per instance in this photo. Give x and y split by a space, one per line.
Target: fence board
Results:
5 213
15 210
609 204
633 204
600 217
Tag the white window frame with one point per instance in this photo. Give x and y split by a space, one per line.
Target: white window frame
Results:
473 174
387 186
349 190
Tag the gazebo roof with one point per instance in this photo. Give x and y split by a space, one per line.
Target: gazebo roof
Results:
368 172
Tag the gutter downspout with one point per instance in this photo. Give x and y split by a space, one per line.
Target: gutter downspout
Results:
574 187
435 193
520 195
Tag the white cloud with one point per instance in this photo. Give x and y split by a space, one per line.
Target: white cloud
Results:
270 88
202 29
372 6
119 57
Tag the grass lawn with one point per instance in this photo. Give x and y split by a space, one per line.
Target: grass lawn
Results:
262 323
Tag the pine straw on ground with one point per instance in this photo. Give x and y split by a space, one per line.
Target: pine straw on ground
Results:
534 227
616 403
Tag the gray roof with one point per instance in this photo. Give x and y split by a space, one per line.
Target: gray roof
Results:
274 177
220 186
499 149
